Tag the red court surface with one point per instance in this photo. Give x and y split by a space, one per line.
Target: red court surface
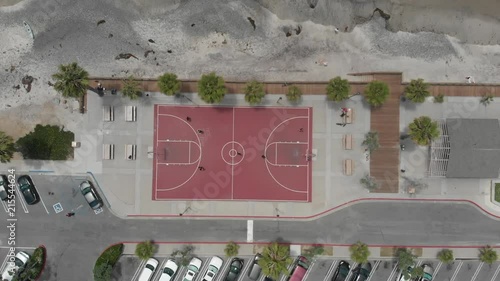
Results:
230 149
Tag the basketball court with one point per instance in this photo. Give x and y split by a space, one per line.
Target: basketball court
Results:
225 153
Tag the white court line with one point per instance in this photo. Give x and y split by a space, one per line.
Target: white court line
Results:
232 161
477 271
456 271
276 154
496 273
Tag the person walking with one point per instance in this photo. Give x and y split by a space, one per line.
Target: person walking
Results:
70 214
201 168
188 119
263 157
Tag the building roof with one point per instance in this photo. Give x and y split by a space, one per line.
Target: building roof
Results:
474 148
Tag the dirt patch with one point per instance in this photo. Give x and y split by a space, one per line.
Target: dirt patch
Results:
327 250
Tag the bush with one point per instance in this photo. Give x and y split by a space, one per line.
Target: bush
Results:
423 130
376 93
103 267
231 249
33 267
144 250
417 91
294 94
169 84
368 182
131 88
486 99
488 255
254 92
371 141
313 251
359 252
47 142
183 256
446 256
7 147
338 89
211 88
439 98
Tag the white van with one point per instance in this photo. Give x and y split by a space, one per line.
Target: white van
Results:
148 270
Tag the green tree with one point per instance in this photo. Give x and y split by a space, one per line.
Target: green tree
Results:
446 256
72 81
488 255
7 147
359 252
231 249
406 259
254 92
211 88
169 84
47 142
423 130
313 251
183 256
417 91
371 141
376 93
416 272
338 89
33 267
145 250
131 88
103 272
294 94
439 98
275 260
104 264
368 182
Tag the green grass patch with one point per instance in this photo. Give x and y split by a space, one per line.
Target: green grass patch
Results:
497 192
103 267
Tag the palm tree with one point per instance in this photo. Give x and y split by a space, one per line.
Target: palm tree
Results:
7 147
144 250
131 88
359 252
488 255
423 130
417 91
231 249
211 88
169 84
338 89
275 260
72 80
405 259
376 93
446 256
254 92
294 94
371 141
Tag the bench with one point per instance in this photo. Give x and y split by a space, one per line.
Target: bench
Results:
130 113
347 142
348 116
130 152
108 113
108 151
348 167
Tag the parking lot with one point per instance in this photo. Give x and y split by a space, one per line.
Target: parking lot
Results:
323 269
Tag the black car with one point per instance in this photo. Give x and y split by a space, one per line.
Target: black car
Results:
342 271
234 269
361 272
28 190
4 188
267 278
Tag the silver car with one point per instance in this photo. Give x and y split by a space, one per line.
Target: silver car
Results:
428 272
90 195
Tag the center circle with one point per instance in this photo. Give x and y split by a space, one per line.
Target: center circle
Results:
232 153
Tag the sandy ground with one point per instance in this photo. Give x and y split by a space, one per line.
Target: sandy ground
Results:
195 37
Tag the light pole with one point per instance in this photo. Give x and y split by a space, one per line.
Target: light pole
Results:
185 210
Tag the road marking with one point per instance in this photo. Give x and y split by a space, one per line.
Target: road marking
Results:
21 199
330 270
308 270
222 270
437 270
477 271
249 230
57 207
393 272
456 271
17 247
373 270
351 272
496 273
245 269
181 271
43 203
98 211
159 269
138 270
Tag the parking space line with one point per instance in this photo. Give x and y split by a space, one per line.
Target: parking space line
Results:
477 271
203 270
309 270
290 267
4 204
437 269
330 270
223 269
393 272
354 265
43 203
159 269
245 269
180 273
456 271
21 199
374 268
138 270
419 263
496 273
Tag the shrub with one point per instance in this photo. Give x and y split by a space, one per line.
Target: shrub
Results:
231 249
439 98
371 141
486 99
446 256
183 256
211 88
131 88
368 182
294 94
417 91
313 251
169 84
488 255
144 250
47 142
376 93
338 89
423 130
104 265
254 92
359 252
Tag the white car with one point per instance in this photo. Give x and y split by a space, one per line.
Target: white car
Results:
193 268
148 270
213 267
168 271
20 260
401 276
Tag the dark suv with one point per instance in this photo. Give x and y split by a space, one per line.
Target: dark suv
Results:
361 272
342 271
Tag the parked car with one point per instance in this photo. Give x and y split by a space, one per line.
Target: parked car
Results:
255 269
234 269
4 188
299 270
428 272
169 270
267 278
11 268
148 270
90 195
401 276
28 190
213 267
342 271
192 269
361 272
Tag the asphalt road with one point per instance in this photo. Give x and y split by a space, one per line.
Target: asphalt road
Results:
74 243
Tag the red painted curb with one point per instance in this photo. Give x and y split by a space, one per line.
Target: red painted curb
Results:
44 261
321 213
